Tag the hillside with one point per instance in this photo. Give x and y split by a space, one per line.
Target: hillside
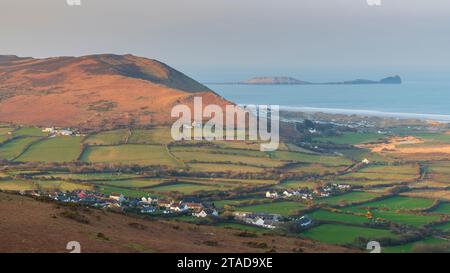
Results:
96 91
35 226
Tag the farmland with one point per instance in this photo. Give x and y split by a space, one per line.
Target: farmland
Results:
353 197
61 149
234 176
345 235
282 208
129 154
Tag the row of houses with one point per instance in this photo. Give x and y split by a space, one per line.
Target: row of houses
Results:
144 205
53 132
264 220
307 194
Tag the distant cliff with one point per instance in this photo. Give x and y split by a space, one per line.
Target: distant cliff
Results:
293 81
388 80
273 80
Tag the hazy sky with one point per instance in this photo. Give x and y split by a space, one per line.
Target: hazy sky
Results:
229 39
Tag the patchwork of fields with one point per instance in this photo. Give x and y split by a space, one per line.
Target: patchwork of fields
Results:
386 193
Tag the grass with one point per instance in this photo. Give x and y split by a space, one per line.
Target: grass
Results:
206 167
132 183
311 158
295 184
351 138
344 235
284 208
153 136
13 148
29 131
408 248
58 149
348 198
17 185
390 173
108 137
126 192
444 227
130 154
328 216
443 208
87 176
185 188
401 203
406 218
60 186
235 202
192 156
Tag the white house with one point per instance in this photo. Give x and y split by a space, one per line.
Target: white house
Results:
178 207
287 194
149 200
365 161
262 223
272 195
48 130
205 213
65 132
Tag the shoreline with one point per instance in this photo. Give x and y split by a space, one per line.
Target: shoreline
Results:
371 113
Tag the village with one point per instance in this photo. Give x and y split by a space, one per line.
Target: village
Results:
308 194
152 205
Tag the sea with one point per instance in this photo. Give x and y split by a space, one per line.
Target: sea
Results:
428 100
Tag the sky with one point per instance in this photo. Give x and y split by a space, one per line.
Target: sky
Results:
221 40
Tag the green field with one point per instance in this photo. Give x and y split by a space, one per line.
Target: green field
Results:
348 198
130 154
351 138
236 202
13 148
294 184
58 149
444 227
60 186
86 176
343 234
310 158
126 192
21 185
408 248
153 136
328 216
17 185
108 137
132 183
207 167
385 173
443 208
191 156
29 132
400 203
284 208
185 188
405 218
